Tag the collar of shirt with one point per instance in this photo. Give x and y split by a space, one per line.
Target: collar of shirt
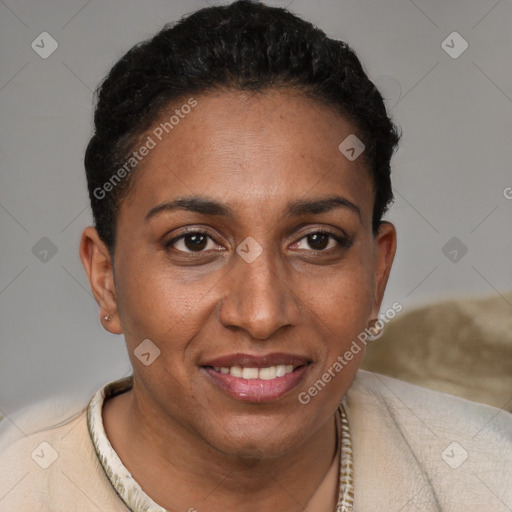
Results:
124 484
130 492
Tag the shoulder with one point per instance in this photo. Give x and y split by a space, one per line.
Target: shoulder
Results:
48 462
443 411
47 415
454 452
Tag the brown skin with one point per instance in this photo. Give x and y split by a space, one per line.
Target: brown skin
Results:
183 440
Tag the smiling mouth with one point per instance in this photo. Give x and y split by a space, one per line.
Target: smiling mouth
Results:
248 373
257 384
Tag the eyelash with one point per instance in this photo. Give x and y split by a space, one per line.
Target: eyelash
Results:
343 242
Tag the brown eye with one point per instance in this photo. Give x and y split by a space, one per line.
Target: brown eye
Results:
195 241
323 241
318 241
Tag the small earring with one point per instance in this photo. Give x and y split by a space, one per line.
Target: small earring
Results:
107 318
376 330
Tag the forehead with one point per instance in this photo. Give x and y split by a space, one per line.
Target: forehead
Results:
251 150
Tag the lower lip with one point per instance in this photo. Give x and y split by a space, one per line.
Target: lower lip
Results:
257 390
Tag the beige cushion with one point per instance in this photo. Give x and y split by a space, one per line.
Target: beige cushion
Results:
462 347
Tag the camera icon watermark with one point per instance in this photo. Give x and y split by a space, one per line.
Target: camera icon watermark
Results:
44 250
44 455
454 249
44 45
454 45
507 192
454 455
351 147
146 352
249 249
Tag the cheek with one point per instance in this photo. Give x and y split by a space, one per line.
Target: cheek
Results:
153 304
147 302
348 289
341 304
152 308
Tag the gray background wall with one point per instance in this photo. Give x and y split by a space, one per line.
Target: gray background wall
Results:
451 174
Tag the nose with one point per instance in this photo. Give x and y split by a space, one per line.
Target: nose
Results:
259 298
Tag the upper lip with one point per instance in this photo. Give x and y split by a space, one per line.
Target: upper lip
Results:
258 361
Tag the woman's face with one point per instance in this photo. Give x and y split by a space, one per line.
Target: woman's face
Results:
256 267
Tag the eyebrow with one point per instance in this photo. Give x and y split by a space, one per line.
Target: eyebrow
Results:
206 206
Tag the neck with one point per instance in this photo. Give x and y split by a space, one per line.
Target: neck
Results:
170 464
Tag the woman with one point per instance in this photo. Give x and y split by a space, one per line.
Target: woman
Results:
238 176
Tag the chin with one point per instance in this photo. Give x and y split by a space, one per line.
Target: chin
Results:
250 451
251 444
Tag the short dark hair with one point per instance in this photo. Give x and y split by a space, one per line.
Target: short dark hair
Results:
243 46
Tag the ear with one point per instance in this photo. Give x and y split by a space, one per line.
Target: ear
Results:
98 267
385 249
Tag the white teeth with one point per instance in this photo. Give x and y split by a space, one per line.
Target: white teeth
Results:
236 371
269 373
281 370
250 373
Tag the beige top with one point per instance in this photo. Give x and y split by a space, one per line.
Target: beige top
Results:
413 450
324 500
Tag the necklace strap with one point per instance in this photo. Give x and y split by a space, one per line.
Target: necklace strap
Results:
346 484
